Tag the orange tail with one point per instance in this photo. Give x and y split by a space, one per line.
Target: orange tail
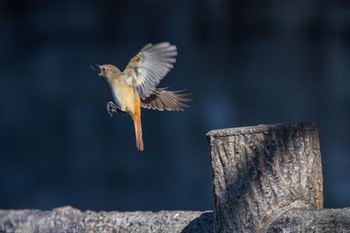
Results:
138 130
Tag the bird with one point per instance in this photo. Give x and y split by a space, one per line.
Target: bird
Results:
137 85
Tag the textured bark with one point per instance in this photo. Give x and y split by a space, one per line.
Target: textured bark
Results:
70 220
262 169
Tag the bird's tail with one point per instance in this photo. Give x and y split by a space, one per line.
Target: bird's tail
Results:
138 129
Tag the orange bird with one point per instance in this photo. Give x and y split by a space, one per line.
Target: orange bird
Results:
136 86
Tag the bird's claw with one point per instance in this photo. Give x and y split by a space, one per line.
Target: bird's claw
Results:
111 108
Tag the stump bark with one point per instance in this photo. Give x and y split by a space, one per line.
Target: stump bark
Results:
259 172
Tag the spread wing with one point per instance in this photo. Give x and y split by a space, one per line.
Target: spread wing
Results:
149 66
162 99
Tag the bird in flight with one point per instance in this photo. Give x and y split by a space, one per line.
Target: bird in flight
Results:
137 85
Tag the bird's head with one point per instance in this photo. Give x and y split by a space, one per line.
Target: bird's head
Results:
107 71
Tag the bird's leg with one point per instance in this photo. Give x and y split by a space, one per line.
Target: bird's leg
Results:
112 108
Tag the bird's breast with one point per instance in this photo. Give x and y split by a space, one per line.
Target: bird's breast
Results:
123 95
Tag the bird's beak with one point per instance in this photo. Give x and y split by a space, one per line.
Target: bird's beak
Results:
97 69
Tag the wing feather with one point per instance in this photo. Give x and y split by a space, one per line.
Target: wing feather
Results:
145 70
161 99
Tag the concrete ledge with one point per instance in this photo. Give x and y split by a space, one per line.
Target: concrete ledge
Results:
70 220
311 220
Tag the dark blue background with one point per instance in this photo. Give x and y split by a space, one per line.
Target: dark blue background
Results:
245 62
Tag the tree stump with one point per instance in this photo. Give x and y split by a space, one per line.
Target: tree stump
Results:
259 172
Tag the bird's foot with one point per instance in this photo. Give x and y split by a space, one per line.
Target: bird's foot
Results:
112 108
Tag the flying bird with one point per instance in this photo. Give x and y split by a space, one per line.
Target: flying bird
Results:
137 85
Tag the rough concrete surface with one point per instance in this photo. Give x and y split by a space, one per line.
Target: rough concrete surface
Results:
70 220
311 220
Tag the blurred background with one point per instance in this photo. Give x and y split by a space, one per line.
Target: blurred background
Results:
245 63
